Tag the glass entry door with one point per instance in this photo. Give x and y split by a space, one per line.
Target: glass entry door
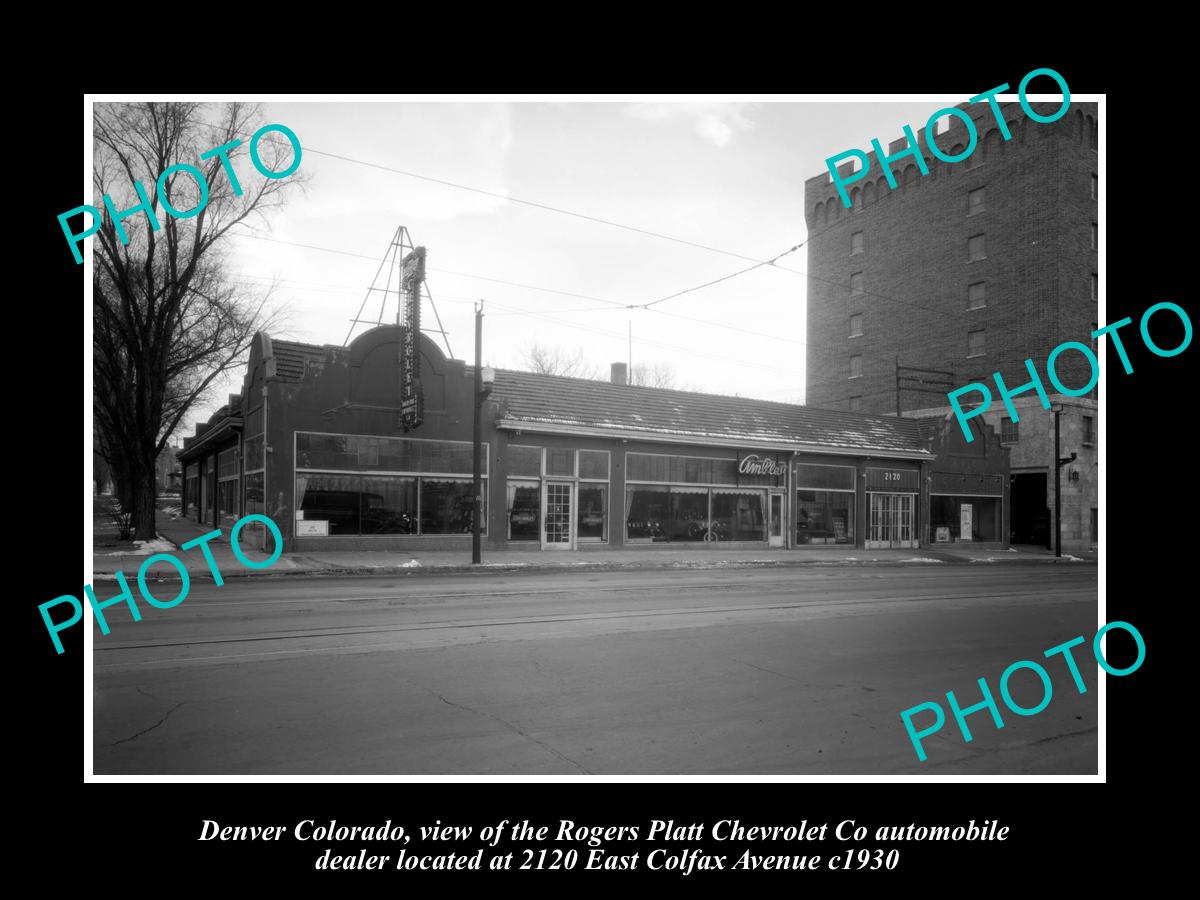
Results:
892 523
775 534
558 534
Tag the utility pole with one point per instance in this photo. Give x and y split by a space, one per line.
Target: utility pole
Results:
477 460
1057 489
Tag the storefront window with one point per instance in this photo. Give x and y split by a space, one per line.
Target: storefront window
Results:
689 514
191 495
227 463
406 501
680 513
388 505
646 511
738 515
385 504
825 477
593 464
825 517
330 498
446 506
252 451
979 516
524 510
593 512
227 500
254 494
560 462
524 460
356 452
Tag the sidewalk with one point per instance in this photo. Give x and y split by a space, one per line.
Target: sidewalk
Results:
379 562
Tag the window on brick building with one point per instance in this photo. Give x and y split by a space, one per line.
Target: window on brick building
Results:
975 295
975 343
856 243
856 404
976 157
1095 236
1089 431
856 284
856 325
1010 431
975 248
974 201
856 367
1095 187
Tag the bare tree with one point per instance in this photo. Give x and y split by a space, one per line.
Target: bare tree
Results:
547 360
657 375
167 316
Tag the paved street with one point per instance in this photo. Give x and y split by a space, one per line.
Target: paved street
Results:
707 671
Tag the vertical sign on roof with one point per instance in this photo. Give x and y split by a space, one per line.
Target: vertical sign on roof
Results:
412 276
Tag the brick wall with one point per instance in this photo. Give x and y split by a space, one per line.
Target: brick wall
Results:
1036 219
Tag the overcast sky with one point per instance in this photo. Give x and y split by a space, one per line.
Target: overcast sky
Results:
726 175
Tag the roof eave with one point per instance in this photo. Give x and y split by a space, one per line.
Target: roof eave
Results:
228 425
705 440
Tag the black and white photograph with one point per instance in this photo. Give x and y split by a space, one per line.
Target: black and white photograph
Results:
589 437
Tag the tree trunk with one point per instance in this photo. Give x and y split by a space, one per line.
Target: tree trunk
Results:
143 508
121 484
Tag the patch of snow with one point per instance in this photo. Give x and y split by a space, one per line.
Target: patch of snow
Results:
1069 558
143 548
158 545
411 564
922 559
1013 550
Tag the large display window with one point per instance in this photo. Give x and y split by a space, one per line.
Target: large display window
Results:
524 510
647 512
964 518
738 515
435 497
682 513
824 507
593 512
824 517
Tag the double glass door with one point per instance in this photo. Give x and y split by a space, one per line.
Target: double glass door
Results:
892 521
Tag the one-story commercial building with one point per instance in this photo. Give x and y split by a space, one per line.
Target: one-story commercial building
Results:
314 441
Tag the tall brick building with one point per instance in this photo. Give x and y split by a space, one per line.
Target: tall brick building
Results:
968 270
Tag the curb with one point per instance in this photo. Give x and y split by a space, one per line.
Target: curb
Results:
597 566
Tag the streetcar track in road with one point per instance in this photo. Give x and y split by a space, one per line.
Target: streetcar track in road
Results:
417 599
352 631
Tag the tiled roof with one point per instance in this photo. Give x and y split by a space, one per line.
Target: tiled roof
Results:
547 402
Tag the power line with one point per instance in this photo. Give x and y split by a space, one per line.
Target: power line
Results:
612 304
519 200
757 263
